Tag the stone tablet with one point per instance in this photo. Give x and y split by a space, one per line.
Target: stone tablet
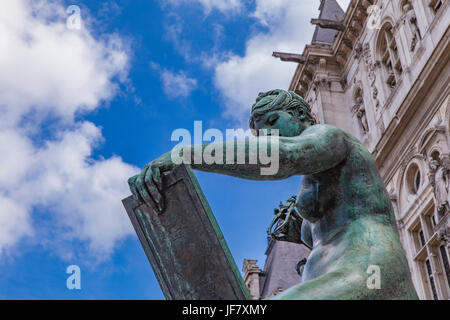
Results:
184 244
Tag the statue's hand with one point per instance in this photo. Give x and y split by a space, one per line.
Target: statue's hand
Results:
147 186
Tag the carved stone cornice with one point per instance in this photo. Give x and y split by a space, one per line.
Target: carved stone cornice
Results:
323 82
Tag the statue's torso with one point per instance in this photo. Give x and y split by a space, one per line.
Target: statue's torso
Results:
340 195
350 216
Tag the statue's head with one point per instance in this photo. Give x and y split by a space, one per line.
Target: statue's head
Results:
282 110
433 163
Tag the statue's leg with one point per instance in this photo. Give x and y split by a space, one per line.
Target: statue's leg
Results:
346 284
334 285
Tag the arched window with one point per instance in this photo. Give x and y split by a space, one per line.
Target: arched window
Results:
412 29
390 59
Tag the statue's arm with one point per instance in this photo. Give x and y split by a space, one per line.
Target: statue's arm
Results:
319 148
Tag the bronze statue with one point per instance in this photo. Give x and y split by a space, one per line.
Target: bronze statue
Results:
348 219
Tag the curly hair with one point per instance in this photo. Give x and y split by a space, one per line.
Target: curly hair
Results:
281 100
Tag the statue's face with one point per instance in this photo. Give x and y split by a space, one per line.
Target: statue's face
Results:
286 123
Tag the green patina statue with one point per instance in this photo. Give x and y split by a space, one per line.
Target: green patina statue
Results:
348 219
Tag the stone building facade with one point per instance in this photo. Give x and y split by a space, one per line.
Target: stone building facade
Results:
380 71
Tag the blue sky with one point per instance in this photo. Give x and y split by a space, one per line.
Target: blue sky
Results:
82 110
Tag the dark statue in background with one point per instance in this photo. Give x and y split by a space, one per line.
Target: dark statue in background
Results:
346 214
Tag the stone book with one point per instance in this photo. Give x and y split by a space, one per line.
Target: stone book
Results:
184 244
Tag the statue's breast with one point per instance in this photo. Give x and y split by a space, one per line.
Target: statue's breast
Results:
307 200
315 198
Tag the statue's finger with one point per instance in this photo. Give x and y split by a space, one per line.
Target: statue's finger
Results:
157 178
152 189
158 182
134 191
142 189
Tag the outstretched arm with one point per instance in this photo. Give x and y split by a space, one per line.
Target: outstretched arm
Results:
317 149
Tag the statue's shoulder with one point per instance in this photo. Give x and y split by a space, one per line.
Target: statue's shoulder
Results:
324 129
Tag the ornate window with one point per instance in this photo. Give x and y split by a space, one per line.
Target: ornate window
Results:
445 263
431 283
418 237
430 257
389 55
422 239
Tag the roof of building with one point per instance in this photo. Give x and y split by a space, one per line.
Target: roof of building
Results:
329 10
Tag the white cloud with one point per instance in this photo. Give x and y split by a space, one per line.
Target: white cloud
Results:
14 221
175 31
241 78
209 5
51 71
83 195
177 84
49 68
